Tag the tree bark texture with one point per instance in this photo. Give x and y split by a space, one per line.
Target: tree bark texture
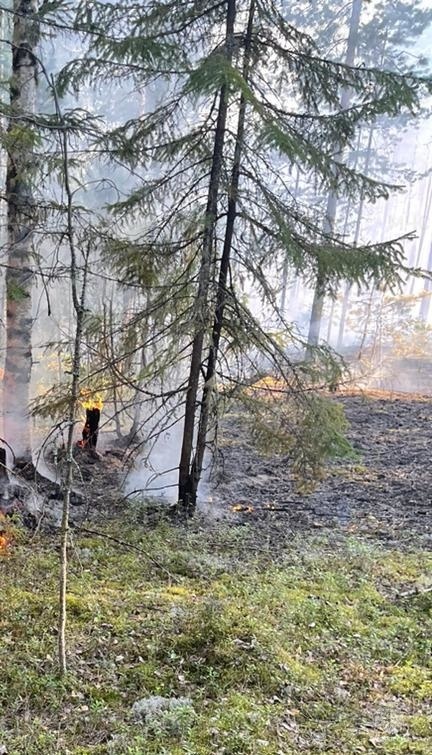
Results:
20 227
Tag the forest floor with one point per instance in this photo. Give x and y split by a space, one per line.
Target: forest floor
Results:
252 632
384 494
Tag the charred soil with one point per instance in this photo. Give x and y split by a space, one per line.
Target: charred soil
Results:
385 493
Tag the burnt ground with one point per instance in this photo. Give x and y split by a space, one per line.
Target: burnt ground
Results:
36 496
385 494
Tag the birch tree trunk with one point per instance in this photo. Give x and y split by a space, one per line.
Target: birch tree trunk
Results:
426 301
20 229
330 215
5 73
186 492
347 291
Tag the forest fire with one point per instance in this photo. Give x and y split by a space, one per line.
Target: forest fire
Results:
245 508
242 508
89 401
93 406
5 537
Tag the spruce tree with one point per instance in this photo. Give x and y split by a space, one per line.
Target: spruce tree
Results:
207 202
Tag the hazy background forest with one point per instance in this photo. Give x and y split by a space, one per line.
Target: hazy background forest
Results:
136 138
216 350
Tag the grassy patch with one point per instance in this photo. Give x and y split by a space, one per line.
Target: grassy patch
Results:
307 653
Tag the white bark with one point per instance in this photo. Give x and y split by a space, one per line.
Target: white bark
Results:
21 224
330 216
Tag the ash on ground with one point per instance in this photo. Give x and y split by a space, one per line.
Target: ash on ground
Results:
35 493
385 494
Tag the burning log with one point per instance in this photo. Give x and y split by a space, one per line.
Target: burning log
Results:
90 429
90 432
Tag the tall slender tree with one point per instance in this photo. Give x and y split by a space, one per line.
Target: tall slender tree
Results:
188 479
331 209
21 219
222 292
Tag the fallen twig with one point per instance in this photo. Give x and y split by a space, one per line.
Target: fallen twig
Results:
415 591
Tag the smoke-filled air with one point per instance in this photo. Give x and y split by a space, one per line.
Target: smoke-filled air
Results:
216 377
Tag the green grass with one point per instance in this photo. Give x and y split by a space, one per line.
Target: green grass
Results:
306 652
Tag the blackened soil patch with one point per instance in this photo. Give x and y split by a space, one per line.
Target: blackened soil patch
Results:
385 494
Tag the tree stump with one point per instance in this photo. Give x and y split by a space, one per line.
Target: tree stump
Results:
90 430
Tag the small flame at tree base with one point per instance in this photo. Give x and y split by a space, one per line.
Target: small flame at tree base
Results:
92 405
242 508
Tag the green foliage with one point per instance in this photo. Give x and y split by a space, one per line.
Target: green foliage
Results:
134 263
322 430
305 135
52 403
310 431
19 138
160 151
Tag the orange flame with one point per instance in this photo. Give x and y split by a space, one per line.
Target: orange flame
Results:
5 538
243 508
89 401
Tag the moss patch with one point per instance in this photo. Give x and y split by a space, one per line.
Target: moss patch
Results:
310 652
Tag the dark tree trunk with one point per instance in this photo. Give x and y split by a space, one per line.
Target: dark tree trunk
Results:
91 428
187 488
4 477
221 298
